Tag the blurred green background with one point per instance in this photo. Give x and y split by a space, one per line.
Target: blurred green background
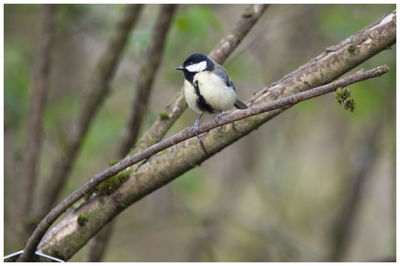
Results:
279 194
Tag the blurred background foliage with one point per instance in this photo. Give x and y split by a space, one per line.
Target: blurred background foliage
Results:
278 194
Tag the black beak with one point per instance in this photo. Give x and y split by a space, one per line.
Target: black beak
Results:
179 68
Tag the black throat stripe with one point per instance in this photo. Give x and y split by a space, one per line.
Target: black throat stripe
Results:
201 102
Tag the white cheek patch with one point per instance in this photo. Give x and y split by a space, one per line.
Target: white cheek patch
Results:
197 67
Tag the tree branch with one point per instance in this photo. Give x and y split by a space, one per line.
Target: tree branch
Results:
358 170
34 132
357 176
97 92
138 109
13 236
228 44
163 168
189 133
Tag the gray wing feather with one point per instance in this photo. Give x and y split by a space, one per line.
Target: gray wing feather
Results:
221 72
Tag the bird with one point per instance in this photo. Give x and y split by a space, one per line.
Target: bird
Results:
208 88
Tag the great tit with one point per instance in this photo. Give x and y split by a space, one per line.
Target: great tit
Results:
208 88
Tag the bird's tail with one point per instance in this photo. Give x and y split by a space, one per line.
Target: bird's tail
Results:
240 105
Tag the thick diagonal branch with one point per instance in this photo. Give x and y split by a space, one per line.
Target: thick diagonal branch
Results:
97 92
187 133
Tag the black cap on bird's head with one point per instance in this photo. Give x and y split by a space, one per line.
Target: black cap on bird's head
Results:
195 63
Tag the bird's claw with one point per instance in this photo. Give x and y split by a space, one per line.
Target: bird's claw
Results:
216 119
196 126
196 129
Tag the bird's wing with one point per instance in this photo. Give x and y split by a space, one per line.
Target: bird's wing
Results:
221 72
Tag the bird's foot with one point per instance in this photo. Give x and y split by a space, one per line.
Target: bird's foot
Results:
216 119
196 126
196 129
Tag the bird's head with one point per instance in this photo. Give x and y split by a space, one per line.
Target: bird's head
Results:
196 63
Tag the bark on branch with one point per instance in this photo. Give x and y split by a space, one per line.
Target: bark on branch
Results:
164 167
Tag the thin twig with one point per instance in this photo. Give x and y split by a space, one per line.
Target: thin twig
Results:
97 92
37 103
185 134
138 109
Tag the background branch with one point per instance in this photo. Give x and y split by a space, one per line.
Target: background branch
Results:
357 176
38 96
357 173
12 216
146 77
97 92
228 44
138 109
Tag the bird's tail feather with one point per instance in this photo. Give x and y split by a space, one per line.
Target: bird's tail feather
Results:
240 105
